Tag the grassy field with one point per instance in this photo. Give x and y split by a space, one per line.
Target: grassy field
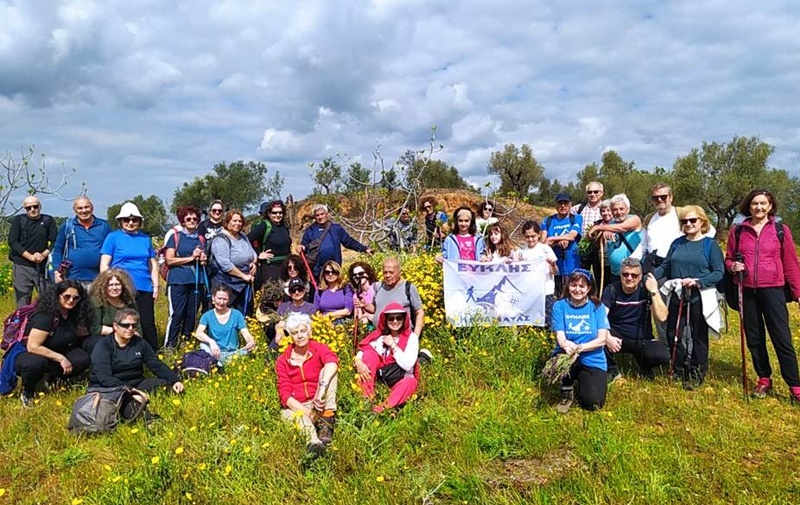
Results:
480 431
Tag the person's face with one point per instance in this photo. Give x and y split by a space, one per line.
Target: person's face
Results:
126 328
487 211
463 224
578 289
405 216
395 322
215 213
619 211
221 300
594 194
330 274
630 277
661 198
531 238
301 335
83 209
495 236
760 207
691 223
190 222
428 208
235 224
131 223
360 276
69 298
33 207
297 293
606 215
293 270
276 214
114 288
391 273
321 216
562 207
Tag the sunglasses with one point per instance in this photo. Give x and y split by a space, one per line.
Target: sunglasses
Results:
330 272
630 275
127 326
190 220
291 267
691 220
393 318
659 198
490 209
216 210
71 298
297 289
276 213
593 192
130 219
360 274
31 207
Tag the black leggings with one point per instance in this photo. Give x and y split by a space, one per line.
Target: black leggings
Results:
32 368
592 385
147 318
767 306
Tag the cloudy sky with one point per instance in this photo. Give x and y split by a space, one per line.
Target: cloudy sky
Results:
142 95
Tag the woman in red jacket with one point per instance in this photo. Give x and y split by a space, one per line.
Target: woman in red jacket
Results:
389 354
307 379
767 263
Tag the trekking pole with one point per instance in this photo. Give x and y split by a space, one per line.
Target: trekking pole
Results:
308 269
675 337
246 298
742 334
602 264
196 284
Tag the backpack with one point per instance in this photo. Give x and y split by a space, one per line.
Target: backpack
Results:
15 325
196 363
267 231
312 249
100 410
163 268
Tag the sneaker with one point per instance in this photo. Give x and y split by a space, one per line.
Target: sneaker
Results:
425 357
613 377
763 388
567 399
794 394
325 428
315 448
27 401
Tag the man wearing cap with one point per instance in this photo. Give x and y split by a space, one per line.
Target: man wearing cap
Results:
76 254
324 239
30 240
562 232
396 289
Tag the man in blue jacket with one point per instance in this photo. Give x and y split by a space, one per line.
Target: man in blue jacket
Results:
332 236
76 254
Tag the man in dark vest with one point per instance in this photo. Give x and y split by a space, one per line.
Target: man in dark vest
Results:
30 241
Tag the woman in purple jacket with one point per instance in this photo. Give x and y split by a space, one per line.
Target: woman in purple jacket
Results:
335 296
762 249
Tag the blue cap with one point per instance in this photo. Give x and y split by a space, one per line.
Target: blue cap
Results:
562 197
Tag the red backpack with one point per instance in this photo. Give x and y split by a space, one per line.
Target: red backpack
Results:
15 324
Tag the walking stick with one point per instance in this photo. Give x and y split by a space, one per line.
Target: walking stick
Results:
246 298
742 334
308 270
602 264
675 337
196 284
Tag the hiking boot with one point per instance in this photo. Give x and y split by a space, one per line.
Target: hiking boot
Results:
315 448
567 399
325 426
425 357
763 388
27 401
613 377
794 395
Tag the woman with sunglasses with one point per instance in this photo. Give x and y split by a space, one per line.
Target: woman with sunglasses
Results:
131 250
334 297
389 355
120 360
111 292
293 268
362 278
693 263
53 344
272 241
233 260
297 304
185 256
212 225
485 217
766 263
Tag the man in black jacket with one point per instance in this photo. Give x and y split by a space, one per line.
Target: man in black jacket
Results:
30 240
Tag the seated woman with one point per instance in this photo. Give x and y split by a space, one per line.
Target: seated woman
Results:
111 292
53 344
362 278
389 355
580 323
120 359
296 305
335 297
219 328
307 380
293 268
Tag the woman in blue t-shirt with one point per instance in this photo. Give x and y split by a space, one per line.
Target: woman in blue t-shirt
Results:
219 328
581 325
185 256
131 250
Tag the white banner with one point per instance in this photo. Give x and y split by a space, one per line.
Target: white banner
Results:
506 294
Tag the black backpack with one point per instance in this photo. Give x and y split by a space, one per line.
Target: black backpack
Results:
100 410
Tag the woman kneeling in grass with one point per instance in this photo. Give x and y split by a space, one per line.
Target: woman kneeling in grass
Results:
581 326
307 379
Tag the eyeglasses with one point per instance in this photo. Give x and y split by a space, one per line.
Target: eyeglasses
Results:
215 210
31 207
296 289
659 198
691 220
127 326
593 192
489 209
291 267
190 220
630 275
393 318
330 272
70 298
130 219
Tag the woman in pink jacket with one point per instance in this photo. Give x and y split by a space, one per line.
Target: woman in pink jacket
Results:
389 355
762 249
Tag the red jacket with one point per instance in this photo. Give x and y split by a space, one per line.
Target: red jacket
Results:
762 256
300 382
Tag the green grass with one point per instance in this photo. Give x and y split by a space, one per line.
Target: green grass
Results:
480 431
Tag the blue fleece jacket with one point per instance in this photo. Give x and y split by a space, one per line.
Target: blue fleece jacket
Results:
81 246
331 246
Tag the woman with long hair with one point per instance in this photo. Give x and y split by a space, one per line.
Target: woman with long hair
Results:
293 268
362 279
111 292
464 243
499 246
335 296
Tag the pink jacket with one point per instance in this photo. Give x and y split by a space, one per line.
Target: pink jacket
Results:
301 382
762 257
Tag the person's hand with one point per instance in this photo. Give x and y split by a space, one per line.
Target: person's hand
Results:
737 266
302 248
485 259
552 261
650 282
614 344
370 251
563 243
155 293
214 349
357 302
608 235
570 347
253 269
250 344
362 371
57 277
689 283
197 253
178 387
66 365
247 278
388 341
37 257
266 255
439 258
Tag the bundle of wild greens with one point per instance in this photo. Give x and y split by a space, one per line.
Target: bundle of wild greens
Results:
557 368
